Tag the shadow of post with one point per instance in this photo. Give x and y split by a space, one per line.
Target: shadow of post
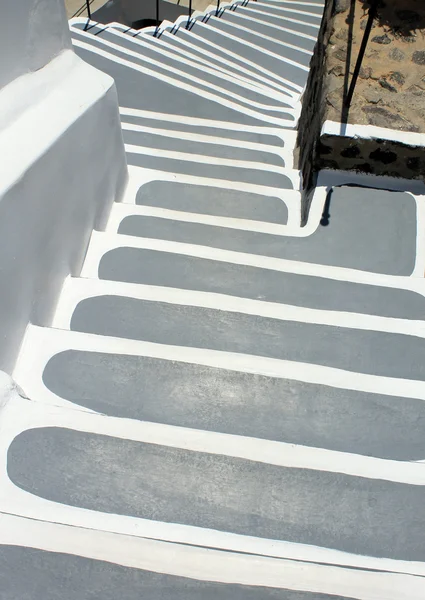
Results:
350 22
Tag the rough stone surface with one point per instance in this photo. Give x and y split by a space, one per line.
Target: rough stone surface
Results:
397 54
380 157
393 67
419 57
390 91
342 5
381 39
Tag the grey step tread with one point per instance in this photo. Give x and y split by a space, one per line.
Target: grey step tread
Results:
315 4
244 174
146 92
154 49
371 352
68 577
145 61
384 221
204 36
136 265
303 23
211 31
276 8
298 56
214 399
288 35
117 476
208 200
205 129
164 142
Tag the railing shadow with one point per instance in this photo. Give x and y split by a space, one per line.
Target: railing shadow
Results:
350 22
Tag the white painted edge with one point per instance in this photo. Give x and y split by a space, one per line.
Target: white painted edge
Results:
270 81
214 64
23 414
163 50
286 82
329 179
217 61
371 132
138 176
281 454
205 564
292 174
102 243
278 27
273 80
285 152
288 136
245 42
120 211
179 83
284 8
284 17
76 290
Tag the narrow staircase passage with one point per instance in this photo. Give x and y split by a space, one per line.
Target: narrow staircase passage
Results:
227 403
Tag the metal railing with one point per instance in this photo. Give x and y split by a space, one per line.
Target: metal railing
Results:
373 9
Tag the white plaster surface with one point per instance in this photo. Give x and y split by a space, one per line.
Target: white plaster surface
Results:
63 165
370 132
32 33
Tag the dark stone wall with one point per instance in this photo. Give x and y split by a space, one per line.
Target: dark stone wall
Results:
313 111
371 155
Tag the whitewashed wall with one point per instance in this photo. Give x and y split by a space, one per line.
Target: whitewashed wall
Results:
32 33
62 163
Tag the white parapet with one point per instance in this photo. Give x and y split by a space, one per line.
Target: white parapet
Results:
62 163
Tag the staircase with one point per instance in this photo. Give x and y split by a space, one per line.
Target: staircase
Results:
227 404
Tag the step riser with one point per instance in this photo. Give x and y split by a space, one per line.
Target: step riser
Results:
276 114
150 92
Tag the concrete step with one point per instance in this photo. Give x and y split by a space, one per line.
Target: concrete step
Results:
205 201
182 44
282 140
159 139
317 5
301 22
112 577
288 7
386 220
311 12
196 489
145 88
355 343
218 43
289 33
91 372
148 47
180 78
196 49
255 48
125 259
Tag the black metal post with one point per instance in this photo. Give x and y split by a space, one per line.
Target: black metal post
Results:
88 14
190 14
372 14
157 19
217 10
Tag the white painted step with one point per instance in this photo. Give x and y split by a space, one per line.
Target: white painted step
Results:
144 55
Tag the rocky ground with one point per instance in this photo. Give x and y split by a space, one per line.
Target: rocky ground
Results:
391 88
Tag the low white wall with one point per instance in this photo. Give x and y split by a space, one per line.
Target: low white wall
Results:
32 33
62 164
